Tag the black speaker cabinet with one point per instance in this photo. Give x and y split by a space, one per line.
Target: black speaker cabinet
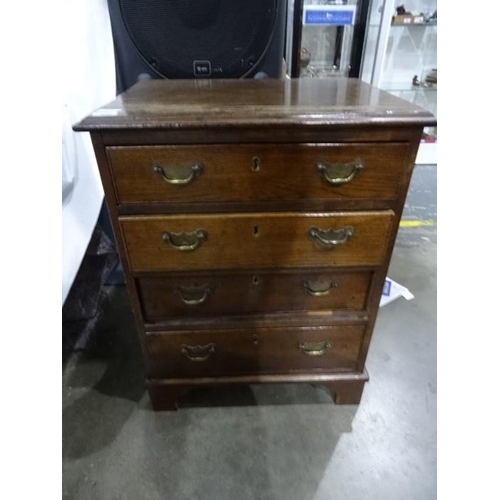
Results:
197 39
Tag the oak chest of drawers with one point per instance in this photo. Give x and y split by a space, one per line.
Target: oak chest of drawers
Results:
255 222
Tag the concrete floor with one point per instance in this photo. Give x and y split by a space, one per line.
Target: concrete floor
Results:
285 442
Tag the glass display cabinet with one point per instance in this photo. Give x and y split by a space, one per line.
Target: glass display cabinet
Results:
400 56
326 37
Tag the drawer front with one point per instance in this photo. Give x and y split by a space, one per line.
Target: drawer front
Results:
246 351
256 172
185 242
206 294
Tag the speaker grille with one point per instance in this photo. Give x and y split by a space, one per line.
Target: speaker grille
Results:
200 38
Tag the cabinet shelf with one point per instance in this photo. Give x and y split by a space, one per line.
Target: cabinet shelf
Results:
428 24
407 25
402 87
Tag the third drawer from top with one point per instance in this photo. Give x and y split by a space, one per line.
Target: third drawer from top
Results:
171 295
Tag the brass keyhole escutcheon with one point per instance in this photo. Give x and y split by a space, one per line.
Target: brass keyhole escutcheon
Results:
255 339
255 163
256 231
255 280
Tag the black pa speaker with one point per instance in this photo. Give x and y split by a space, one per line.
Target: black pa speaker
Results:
197 39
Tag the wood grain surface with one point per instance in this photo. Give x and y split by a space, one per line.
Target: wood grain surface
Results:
211 294
256 172
180 104
249 350
256 240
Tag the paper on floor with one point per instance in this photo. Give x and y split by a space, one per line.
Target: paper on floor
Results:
392 291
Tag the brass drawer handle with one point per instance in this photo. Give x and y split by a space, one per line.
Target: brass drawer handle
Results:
340 173
185 242
198 353
315 348
330 238
309 287
193 295
179 175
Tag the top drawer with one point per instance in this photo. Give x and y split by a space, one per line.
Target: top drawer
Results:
256 172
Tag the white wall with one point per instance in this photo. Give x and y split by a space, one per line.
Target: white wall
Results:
89 82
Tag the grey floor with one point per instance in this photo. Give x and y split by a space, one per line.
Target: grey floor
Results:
266 442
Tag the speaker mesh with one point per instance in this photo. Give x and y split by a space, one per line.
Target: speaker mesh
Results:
200 38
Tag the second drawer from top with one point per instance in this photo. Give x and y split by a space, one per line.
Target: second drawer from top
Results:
253 240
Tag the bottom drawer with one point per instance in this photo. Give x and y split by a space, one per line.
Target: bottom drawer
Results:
254 350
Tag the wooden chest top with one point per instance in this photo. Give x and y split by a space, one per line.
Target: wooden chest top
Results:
188 104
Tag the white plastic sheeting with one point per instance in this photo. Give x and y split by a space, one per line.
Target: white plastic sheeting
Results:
89 82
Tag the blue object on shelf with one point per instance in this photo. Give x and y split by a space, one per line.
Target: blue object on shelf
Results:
333 15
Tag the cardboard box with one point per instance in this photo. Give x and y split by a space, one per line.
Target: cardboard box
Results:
407 19
402 19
